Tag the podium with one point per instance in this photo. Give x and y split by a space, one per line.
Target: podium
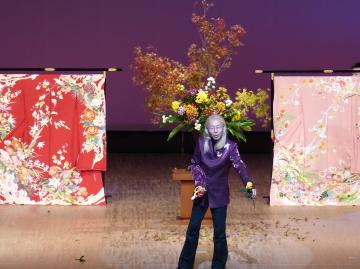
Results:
186 191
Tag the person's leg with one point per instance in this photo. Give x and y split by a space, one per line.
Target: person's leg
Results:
220 244
187 256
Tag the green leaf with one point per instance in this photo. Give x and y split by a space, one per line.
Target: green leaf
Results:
241 124
175 131
246 192
2 167
237 133
324 195
191 128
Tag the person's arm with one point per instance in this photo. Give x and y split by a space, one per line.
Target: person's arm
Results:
241 169
197 172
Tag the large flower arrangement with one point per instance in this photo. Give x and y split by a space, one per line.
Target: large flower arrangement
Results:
187 95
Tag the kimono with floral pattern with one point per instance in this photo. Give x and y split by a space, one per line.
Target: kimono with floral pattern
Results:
317 141
52 139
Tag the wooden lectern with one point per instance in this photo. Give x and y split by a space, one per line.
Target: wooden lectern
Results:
186 191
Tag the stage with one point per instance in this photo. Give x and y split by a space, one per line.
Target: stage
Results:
138 229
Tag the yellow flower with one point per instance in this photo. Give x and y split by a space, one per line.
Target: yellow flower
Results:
180 87
249 185
175 105
201 97
237 116
220 107
222 93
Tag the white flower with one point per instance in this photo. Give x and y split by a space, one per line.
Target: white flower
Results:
45 84
33 130
54 182
11 120
96 102
197 125
211 80
99 121
164 119
35 115
44 121
332 169
228 102
40 145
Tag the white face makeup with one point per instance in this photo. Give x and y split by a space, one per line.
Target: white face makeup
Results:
215 128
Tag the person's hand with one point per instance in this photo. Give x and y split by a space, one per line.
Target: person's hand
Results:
251 191
199 191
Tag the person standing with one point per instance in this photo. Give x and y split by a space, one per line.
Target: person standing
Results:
214 154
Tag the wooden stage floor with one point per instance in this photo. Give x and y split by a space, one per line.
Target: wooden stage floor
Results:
138 229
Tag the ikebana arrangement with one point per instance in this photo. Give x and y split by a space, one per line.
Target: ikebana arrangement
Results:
185 95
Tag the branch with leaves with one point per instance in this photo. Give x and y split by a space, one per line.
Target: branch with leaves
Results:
185 95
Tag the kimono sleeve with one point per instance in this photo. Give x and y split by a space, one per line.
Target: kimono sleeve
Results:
239 165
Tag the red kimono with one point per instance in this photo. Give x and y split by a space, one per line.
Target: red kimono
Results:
52 139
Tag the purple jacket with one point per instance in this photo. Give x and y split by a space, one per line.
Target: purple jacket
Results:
211 170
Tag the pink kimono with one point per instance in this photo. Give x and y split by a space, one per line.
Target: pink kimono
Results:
317 141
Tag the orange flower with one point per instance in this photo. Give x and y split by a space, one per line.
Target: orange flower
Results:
208 112
82 191
53 170
16 144
10 150
191 112
92 130
88 115
22 172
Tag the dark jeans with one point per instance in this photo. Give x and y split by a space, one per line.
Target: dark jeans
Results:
187 256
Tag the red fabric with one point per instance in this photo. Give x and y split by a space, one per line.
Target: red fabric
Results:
52 139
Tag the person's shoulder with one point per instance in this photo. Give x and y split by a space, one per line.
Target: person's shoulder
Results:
230 144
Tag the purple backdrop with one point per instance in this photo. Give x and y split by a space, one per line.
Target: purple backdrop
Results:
92 33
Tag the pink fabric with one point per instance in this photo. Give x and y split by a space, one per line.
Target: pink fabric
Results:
317 147
355 121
